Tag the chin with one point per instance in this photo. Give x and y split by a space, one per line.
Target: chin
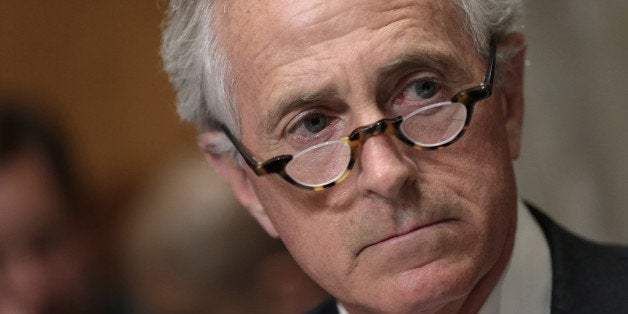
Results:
437 286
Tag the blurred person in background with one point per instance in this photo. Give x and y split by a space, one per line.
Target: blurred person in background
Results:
42 252
188 247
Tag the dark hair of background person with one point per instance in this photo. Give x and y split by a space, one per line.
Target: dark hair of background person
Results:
24 129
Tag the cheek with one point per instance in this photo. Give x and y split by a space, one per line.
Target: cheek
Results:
475 172
479 163
308 228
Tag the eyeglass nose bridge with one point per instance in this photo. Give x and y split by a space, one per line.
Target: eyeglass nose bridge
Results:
383 126
389 126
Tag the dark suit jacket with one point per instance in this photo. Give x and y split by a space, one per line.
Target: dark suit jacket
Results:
587 277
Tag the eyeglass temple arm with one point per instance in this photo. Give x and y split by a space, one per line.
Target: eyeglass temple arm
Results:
254 164
274 165
474 94
490 72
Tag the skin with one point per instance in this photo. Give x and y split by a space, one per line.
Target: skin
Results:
407 231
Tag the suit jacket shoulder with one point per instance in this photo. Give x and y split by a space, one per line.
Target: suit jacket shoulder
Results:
327 307
587 277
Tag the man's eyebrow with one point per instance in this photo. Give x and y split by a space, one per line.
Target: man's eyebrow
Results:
388 75
428 57
293 102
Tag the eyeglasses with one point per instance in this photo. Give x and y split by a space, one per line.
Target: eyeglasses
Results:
428 128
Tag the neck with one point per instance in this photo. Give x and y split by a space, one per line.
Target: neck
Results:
480 293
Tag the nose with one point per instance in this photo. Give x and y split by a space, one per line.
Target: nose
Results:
384 169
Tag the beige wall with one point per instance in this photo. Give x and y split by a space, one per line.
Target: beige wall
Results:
575 154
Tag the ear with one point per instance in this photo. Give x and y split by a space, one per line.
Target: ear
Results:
512 89
237 177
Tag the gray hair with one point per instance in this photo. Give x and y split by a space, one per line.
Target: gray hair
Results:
198 67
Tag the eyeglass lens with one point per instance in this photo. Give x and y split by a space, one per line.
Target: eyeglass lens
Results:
435 125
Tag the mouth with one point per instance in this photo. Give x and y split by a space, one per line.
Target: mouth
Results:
404 235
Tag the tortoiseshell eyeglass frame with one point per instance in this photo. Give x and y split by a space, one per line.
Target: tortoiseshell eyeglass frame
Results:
468 97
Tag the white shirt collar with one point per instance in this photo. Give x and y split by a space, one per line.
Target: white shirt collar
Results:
526 284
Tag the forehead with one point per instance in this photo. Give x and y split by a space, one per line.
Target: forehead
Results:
278 45
251 27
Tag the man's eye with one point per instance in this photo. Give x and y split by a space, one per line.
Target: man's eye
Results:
313 123
418 93
313 127
423 89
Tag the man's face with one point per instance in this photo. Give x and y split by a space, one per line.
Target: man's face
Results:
407 230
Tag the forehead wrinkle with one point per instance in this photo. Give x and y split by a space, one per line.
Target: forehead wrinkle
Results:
329 22
325 13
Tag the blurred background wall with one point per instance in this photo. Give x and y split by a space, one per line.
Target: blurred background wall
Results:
96 64
574 162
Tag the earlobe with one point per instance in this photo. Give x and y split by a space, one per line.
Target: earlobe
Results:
238 179
512 87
